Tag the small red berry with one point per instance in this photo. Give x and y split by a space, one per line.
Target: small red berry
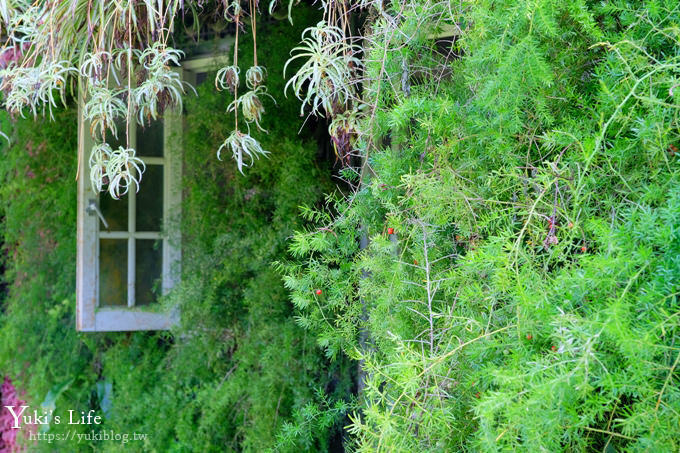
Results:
415 262
318 292
477 395
583 249
390 231
554 348
529 336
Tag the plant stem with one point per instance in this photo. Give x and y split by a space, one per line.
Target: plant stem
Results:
253 24
238 20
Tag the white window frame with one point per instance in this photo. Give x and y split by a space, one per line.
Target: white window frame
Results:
89 316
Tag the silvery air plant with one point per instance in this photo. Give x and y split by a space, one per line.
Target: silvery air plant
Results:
243 147
251 105
119 169
104 105
34 87
250 102
162 85
327 71
103 108
227 79
255 76
121 63
324 82
344 130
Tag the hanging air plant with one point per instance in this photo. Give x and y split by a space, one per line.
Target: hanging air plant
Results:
344 130
160 56
119 169
95 65
251 105
242 145
102 109
35 87
227 79
162 86
123 170
324 79
99 159
255 76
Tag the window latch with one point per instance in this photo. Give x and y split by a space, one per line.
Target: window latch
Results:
93 209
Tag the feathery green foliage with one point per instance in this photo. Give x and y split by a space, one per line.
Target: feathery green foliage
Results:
519 289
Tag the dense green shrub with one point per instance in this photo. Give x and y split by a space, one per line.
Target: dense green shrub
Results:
528 296
39 347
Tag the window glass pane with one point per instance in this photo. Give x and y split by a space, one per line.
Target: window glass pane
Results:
114 211
148 271
121 129
150 139
149 209
113 266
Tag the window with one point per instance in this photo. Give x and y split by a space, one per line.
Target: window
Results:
129 249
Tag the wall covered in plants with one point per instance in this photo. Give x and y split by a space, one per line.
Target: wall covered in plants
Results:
238 366
504 277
